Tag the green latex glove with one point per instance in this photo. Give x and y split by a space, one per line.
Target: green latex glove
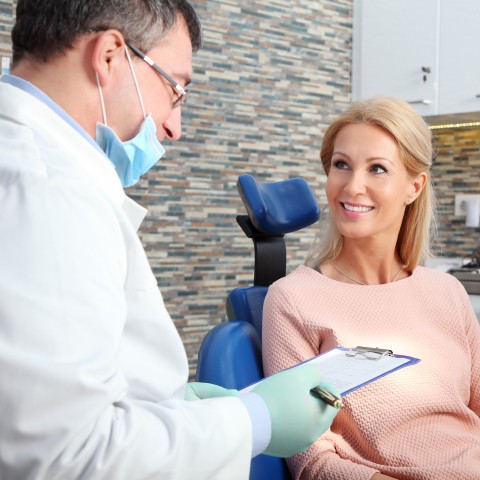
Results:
298 418
200 391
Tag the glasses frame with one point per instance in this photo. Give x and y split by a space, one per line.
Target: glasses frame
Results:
182 92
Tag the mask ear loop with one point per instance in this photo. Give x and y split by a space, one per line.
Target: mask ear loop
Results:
135 81
102 103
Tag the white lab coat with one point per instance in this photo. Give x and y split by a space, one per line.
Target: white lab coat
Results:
92 370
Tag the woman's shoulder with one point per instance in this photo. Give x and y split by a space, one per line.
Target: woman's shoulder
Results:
445 285
299 281
429 274
300 274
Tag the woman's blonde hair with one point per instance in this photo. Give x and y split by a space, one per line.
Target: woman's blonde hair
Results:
414 140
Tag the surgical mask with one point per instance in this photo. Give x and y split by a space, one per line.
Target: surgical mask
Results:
133 157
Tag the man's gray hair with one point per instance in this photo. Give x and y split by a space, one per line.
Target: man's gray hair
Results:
46 28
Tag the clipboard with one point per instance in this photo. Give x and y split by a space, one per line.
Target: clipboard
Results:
348 369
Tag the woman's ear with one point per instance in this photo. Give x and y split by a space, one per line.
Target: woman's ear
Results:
108 52
417 185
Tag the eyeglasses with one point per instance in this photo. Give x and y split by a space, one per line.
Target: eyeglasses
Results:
179 93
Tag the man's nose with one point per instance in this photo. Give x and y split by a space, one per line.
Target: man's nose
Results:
173 124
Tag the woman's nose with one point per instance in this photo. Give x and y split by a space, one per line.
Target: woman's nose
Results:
173 124
356 184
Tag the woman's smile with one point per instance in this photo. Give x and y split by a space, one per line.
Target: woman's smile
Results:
353 209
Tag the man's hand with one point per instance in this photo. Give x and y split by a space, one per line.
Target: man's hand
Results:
298 418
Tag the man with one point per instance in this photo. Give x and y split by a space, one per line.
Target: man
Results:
92 371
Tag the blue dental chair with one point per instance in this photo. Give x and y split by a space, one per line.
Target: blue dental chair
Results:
230 354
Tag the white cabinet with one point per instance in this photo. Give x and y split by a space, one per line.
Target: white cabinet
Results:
423 52
459 68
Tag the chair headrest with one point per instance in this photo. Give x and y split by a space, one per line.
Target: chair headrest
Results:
278 207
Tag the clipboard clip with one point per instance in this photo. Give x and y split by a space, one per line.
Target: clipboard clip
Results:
369 352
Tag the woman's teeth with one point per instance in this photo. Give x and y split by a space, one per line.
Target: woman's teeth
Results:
352 208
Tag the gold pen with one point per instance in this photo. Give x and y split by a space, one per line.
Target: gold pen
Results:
327 397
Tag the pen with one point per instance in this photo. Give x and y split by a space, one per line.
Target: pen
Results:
327 397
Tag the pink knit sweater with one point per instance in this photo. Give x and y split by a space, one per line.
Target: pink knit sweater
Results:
418 423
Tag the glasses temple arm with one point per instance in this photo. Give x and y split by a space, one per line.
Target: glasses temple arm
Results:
147 59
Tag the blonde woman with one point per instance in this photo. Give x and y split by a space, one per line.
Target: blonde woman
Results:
364 283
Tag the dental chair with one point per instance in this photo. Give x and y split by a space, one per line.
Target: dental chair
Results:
230 354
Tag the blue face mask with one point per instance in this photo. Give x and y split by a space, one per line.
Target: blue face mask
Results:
134 157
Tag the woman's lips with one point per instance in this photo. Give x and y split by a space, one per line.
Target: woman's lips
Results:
356 209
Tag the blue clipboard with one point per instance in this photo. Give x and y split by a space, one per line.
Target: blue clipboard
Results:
348 369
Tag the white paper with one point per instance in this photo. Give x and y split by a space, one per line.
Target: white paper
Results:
347 373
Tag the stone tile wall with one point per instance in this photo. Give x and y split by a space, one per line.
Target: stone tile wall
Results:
7 13
270 77
456 171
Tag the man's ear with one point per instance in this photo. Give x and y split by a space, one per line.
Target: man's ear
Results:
108 52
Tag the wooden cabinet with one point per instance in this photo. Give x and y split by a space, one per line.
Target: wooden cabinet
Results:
420 51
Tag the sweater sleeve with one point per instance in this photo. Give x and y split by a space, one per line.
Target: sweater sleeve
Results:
286 342
284 339
473 338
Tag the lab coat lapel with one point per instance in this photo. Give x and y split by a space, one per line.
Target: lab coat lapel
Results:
34 113
102 171
135 212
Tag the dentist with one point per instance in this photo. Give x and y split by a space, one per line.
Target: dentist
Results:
93 374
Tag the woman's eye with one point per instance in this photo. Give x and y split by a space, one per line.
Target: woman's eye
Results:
340 164
378 169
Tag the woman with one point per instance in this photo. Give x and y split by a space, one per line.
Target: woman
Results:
364 284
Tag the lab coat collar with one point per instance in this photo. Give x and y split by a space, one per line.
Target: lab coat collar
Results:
135 212
28 110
